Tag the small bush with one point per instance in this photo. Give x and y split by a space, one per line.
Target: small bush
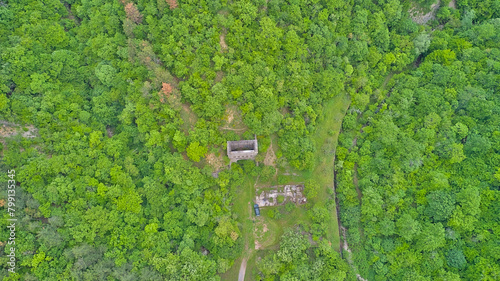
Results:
277 215
289 207
271 213
311 189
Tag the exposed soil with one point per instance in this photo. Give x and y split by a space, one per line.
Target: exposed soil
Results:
8 129
204 251
285 111
217 162
421 18
453 4
270 159
186 108
230 115
232 120
260 240
222 41
219 76
257 245
110 132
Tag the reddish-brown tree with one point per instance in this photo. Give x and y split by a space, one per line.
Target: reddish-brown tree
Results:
172 4
167 89
133 13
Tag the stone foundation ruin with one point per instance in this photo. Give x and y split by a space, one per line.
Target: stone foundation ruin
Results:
291 193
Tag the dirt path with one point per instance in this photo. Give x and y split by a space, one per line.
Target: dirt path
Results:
222 41
249 251
270 156
243 268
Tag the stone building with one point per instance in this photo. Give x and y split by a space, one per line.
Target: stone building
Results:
242 150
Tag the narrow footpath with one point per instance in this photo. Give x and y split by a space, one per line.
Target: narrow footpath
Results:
243 268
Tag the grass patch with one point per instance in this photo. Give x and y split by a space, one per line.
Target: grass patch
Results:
252 271
277 220
326 142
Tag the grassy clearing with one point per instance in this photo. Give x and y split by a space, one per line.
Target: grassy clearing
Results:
326 142
253 228
277 225
326 137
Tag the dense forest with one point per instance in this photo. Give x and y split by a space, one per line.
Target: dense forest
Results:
109 109
419 170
